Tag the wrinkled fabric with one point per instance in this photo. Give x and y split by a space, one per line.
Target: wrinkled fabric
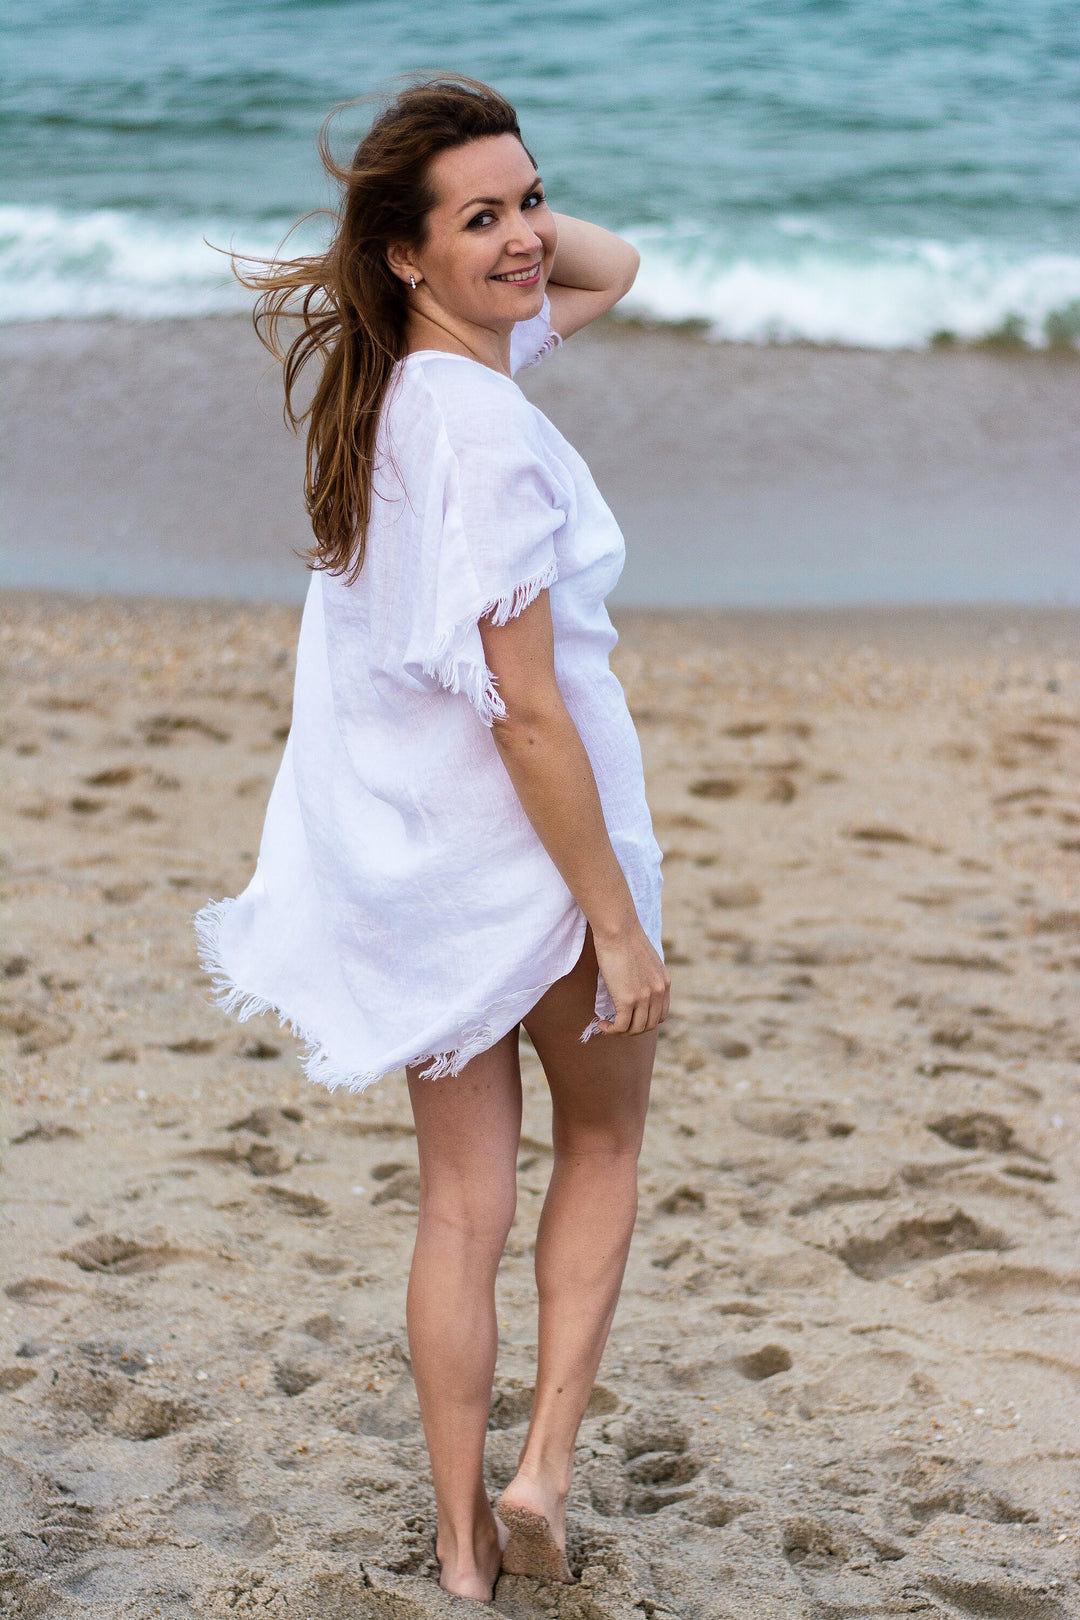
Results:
403 910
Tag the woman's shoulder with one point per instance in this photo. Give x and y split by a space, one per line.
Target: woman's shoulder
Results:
473 404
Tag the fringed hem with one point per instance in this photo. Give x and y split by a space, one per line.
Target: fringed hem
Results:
552 342
456 672
316 1062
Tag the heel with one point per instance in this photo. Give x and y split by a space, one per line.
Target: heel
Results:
532 1549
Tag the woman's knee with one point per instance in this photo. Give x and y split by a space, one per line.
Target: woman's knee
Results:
607 1145
480 1216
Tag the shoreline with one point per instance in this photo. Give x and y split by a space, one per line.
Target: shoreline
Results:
150 457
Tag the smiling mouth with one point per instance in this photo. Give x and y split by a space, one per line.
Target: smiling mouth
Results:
531 274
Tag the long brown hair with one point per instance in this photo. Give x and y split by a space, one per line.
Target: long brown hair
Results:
352 308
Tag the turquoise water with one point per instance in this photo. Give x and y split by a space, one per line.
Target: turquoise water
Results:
855 171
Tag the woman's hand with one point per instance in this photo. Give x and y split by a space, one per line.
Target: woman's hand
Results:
637 980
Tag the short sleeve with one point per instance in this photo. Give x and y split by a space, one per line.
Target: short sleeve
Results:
531 341
495 506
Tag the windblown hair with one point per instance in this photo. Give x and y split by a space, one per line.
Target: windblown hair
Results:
351 307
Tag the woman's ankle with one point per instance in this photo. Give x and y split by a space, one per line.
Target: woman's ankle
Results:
467 1544
546 1475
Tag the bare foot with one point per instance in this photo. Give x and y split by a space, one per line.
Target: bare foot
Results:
536 1520
472 1571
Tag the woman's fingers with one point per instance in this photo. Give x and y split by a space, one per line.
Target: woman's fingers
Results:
638 1017
639 984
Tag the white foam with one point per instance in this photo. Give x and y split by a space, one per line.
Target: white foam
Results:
108 263
798 280
885 295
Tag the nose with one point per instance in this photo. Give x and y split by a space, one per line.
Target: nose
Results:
522 240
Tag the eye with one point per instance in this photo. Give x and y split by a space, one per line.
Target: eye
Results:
534 199
478 221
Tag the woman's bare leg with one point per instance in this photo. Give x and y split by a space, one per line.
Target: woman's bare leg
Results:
467 1131
600 1095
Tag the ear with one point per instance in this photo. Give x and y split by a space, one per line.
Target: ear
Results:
402 262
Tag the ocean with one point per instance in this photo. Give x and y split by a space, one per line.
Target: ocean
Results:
872 173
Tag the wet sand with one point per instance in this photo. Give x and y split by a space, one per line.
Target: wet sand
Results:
151 457
844 1376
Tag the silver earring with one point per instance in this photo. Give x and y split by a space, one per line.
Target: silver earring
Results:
412 283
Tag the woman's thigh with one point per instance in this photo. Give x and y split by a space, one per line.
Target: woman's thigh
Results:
600 1087
467 1131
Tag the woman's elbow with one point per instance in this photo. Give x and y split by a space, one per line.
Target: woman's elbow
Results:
528 724
633 265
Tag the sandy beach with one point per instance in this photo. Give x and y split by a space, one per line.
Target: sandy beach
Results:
844 1379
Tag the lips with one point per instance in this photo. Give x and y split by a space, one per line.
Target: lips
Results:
520 278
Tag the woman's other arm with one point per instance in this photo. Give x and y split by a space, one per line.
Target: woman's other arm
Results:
552 776
592 269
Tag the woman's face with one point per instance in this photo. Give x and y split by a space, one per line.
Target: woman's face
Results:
490 238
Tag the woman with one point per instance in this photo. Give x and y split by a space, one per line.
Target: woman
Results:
457 843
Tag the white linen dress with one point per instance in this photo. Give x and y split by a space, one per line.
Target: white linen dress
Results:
403 909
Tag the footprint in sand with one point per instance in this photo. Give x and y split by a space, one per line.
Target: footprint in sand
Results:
933 1485
321 1326
260 1051
124 894
306 1205
870 1188
992 1593
966 961
891 1245
714 787
735 896
13 1378
262 1121
780 790
879 833
866 1381
988 1133
107 1401
326 1265
261 1158
120 1256
401 1183
775 1116
35 1030
161 729
1003 1285
721 1508
743 729
113 776
764 1362
37 1290
193 1046
658 1465
46 1131
511 1405
815 1548
665 1258
682 1200
294 1377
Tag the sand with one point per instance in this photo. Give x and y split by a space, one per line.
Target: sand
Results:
844 1379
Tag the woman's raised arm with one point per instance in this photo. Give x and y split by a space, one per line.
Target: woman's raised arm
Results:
593 268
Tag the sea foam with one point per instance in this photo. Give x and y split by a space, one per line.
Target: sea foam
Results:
794 284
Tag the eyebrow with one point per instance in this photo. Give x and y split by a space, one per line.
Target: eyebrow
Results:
497 202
